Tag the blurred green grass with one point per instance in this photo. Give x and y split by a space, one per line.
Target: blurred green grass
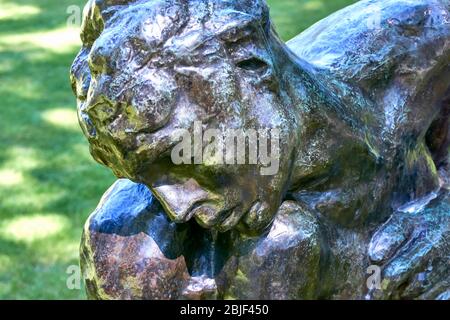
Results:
48 182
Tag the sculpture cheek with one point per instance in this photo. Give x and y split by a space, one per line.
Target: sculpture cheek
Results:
151 101
211 87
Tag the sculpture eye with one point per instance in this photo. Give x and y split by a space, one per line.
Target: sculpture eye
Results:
253 64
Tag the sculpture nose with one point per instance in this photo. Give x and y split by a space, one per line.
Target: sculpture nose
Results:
98 106
86 123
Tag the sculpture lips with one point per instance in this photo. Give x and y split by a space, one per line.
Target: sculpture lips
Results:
229 218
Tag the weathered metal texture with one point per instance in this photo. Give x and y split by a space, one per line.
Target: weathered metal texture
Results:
362 102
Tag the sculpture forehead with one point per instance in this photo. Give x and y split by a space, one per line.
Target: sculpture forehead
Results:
161 20
257 8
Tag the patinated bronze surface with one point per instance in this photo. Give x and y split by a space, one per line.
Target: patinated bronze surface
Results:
361 104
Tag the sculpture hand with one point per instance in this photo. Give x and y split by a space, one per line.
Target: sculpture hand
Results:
413 248
282 264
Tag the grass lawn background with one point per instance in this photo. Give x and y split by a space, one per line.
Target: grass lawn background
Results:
48 182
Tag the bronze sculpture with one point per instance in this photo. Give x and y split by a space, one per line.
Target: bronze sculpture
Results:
361 113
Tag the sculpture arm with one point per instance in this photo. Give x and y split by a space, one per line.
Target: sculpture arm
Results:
413 248
386 61
131 250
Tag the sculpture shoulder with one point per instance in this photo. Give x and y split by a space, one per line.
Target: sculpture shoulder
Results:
375 40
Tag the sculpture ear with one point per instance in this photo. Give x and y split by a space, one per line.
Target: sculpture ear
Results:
93 23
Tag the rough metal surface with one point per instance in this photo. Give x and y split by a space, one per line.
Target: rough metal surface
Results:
363 114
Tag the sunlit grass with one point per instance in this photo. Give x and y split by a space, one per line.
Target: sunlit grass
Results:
21 158
64 118
5 262
61 40
293 16
31 228
313 5
14 11
60 250
28 197
10 178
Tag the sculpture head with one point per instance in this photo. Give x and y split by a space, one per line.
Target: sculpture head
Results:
149 68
